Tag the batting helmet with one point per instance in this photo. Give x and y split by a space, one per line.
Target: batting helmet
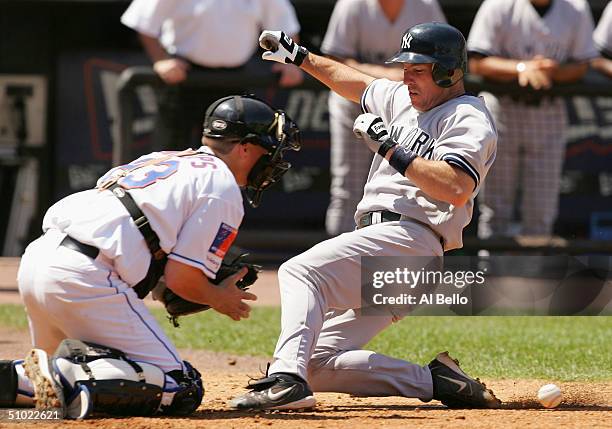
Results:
437 43
247 119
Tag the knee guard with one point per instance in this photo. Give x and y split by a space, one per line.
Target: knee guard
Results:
98 379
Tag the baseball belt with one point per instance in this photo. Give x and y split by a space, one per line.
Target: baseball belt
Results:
83 248
381 216
372 218
158 257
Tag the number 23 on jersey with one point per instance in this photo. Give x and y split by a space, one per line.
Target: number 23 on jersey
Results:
141 177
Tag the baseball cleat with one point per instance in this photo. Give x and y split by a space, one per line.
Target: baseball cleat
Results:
455 389
48 390
276 392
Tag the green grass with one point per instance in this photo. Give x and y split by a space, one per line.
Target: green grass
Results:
212 331
552 348
13 316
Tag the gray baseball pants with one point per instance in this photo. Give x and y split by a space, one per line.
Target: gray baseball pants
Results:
323 328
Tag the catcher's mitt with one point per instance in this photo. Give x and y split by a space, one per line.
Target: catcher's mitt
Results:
177 306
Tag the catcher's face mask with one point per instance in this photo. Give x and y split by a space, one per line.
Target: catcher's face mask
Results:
271 166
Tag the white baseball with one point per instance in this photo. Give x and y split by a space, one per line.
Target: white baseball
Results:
549 395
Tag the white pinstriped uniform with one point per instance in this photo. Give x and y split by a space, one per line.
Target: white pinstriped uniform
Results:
359 29
531 136
323 328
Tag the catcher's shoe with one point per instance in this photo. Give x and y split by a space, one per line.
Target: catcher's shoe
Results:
276 392
48 390
455 389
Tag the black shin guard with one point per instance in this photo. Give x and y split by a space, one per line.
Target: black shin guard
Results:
8 384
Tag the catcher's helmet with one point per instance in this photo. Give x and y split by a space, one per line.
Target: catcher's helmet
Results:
247 119
437 43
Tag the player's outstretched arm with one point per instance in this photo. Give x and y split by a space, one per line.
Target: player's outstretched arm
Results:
342 79
391 72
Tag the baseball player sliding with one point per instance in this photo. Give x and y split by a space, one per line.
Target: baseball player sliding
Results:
434 146
103 249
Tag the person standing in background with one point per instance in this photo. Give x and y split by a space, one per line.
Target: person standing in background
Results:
603 42
183 36
538 43
362 34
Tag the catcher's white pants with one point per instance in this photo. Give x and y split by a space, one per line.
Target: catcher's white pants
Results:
69 295
531 142
323 329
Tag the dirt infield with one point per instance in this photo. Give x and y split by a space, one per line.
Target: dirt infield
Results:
585 405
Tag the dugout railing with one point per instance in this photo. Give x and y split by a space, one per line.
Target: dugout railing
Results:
280 244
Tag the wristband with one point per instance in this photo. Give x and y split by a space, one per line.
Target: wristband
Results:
401 158
386 146
302 53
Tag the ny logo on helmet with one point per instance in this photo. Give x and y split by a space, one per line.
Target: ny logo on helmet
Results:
406 41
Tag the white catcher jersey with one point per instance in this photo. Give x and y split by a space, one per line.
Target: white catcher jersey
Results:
603 32
514 29
460 132
193 203
211 33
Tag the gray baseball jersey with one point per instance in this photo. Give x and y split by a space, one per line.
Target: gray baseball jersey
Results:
359 29
460 132
603 32
514 29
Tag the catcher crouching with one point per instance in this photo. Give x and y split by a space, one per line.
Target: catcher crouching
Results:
98 350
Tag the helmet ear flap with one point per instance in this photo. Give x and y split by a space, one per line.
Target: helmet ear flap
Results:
444 77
